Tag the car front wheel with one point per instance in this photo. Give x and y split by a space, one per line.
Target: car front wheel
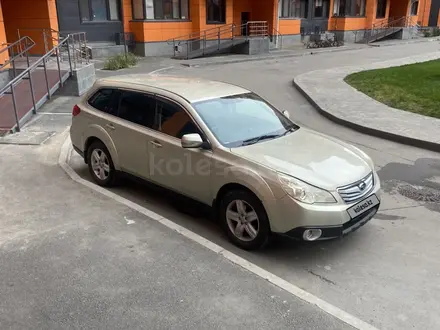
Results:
245 220
100 164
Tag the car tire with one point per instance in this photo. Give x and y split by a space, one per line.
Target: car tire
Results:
244 219
100 164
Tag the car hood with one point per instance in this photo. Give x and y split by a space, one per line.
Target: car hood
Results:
312 157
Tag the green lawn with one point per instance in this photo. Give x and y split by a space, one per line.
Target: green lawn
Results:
414 87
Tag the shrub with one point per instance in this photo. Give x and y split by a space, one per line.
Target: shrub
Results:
121 61
436 32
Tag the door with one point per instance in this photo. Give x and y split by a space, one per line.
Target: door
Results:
245 16
131 131
317 17
100 19
186 171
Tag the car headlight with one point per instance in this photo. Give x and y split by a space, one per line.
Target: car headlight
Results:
304 192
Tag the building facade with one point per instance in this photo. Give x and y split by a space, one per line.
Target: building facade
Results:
154 22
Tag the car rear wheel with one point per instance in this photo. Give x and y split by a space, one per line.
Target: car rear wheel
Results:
244 220
100 164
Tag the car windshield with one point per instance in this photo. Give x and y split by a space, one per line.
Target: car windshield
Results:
243 119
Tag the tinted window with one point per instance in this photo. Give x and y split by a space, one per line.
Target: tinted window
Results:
173 120
138 108
236 119
105 100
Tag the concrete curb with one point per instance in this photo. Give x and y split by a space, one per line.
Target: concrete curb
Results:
374 131
368 130
431 39
273 57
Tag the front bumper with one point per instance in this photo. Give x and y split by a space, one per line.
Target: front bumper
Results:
330 232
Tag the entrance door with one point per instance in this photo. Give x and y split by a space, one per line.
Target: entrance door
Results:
100 19
317 18
245 16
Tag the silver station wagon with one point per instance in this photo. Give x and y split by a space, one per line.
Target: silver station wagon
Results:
227 147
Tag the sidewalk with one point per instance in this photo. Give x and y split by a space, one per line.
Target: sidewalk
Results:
327 91
75 259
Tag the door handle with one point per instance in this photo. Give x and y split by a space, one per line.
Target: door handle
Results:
110 126
156 144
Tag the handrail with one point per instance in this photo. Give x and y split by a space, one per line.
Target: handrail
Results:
384 26
277 34
253 28
194 34
42 61
28 44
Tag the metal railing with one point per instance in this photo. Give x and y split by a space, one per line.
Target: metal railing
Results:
277 37
17 50
387 27
256 28
201 40
27 74
78 48
51 38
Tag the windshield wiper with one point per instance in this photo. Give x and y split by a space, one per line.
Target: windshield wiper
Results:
259 138
289 130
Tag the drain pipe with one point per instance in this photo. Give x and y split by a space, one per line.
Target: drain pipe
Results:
278 23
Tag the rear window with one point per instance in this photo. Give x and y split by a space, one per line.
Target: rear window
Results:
106 100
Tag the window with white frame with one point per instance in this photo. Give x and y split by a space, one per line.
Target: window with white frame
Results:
160 9
294 8
414 7
343 8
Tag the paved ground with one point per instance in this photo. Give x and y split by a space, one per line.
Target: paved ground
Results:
331 95
386 274
74 259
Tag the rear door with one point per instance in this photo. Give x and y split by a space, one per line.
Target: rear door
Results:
132 131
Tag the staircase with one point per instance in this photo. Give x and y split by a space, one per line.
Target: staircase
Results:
388 28
217 40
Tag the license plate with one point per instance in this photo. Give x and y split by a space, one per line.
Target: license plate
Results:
363 206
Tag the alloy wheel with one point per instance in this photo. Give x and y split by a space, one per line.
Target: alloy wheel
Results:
100 164
242 220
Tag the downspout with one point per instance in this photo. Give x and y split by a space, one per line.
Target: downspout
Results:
278 23
123 27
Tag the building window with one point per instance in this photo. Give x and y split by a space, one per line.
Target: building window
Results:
381 8
414 7
343 8
216 11
294 8
99 10
321 8
160 9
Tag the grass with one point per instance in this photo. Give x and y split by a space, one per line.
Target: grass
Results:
413 87
121 61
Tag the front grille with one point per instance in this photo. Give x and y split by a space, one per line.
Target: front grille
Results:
355 191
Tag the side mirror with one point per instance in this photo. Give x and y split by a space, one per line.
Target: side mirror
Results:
286 113
191 141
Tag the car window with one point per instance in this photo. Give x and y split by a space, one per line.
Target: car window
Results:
105 100
138 108
238 119
173 120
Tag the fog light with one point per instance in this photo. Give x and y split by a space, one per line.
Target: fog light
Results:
312 234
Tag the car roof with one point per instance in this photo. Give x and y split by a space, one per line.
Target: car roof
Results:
192 89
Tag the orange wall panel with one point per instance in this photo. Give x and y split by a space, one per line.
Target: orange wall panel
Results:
424 11
4 56
289 26
29 15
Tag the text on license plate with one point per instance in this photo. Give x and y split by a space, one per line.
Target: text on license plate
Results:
363 206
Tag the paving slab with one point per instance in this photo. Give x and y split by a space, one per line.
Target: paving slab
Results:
340 102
